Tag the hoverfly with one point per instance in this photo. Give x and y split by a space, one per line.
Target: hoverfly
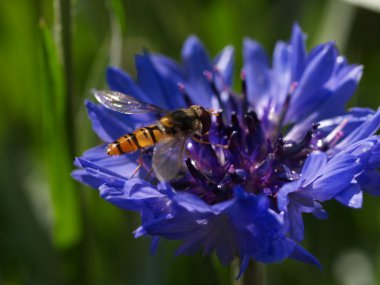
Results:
169 134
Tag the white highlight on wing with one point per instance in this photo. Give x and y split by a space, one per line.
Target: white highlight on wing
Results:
124 103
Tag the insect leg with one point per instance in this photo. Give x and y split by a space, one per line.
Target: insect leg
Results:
225 146
149 173
140 161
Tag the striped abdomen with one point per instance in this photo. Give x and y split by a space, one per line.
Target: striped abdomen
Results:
139 139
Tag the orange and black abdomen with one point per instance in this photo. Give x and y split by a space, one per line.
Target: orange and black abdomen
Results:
139 139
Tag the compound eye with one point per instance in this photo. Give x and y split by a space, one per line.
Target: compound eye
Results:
205 119
197 109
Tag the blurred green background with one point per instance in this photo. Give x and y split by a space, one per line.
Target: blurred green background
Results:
55 231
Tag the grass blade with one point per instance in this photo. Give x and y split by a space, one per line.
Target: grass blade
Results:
57 152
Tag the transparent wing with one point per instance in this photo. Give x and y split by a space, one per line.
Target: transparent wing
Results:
126 104
168 158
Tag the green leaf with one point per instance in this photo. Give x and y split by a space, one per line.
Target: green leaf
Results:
56 137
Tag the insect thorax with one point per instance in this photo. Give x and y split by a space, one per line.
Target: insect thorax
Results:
185 121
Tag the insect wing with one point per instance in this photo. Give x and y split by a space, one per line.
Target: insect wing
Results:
168 158
124 103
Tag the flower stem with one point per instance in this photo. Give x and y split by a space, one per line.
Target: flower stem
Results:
254 275
63 38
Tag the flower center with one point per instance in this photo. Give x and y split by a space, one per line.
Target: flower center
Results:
257 156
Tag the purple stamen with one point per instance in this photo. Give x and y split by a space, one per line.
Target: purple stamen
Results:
335 135
186 95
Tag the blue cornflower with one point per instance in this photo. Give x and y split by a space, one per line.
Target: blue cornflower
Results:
291 146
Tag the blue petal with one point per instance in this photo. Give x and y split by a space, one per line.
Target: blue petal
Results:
259 231
191 204
194 232
213 232
193 243
223 77
195 57
282 194
315 52
352 196
137 195
319 212
103 174
299 202
341 90
298 52
122 165
224 64
170 74
362 150
282 74
300 254
226 247
304 201
150 82
256 67
167 67
244 265
196 61
312 167
107 124
163 91
119 166
366 129
370 182
349 77
245 222
335 177
154 244
119 80
81 175
296 228
310 172
374 161
182 225
310 92
341 63
354 118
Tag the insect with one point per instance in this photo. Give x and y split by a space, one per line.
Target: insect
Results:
169 134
